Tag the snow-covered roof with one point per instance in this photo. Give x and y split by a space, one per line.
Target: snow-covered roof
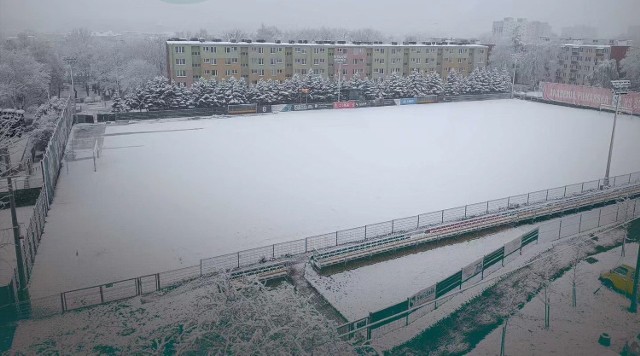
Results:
585 45
313 44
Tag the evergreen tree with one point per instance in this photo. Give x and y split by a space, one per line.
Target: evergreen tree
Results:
416 85
434 83
118 104
454 83
395 87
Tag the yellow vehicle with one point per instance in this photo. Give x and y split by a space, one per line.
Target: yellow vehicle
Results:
619 278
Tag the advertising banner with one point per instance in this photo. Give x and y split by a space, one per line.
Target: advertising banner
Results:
588 96
427 99
408 101
263 109
472 269
344 105
423 296
242 109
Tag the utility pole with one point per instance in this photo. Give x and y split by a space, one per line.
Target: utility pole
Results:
16 236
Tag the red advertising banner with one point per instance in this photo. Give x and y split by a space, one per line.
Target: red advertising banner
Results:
588 96
344 105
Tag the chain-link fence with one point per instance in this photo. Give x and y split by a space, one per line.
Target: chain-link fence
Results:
50 168
412 223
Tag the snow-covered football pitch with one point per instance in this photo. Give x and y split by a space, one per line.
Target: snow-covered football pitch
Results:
167 194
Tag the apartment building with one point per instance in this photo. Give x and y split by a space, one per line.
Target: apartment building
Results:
529 31
190 60
577 60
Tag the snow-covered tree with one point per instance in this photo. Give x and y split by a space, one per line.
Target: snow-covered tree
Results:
23 81
118 105
454 83
416 85
395 87
603 73
630 66
434 83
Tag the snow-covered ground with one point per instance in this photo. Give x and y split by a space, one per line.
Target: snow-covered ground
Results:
357 292
572 331
168 194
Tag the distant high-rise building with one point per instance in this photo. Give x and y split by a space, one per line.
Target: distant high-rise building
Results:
579 58
529 31
579 32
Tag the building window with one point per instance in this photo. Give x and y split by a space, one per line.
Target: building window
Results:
318 50
195 64
214 72
260 49
180 61
260 61
231 72
459 60
301 50
379 70
180 73
180 49
261 72
273 50
379 60
230 49
341 50
207 60
195 53
302 61
228 61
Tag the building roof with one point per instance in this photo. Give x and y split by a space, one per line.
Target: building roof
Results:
313 44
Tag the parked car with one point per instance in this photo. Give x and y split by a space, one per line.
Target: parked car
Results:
619 278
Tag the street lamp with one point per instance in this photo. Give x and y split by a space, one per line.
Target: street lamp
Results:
619 88
70 61
513 80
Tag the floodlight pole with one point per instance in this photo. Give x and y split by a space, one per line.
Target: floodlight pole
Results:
513 80
613 133
619 88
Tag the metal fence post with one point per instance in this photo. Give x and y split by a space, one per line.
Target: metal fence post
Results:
157 281
417 226
528 195
365 230
442 217
306 244
201 267
465 211
565 192
580 224
337 237
238 259
392 225
487 209
582 189
62 307
547 197
101 295
618 212
560 229
599 216
273 251
508 202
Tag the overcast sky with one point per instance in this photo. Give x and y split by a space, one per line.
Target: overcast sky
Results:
460 18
